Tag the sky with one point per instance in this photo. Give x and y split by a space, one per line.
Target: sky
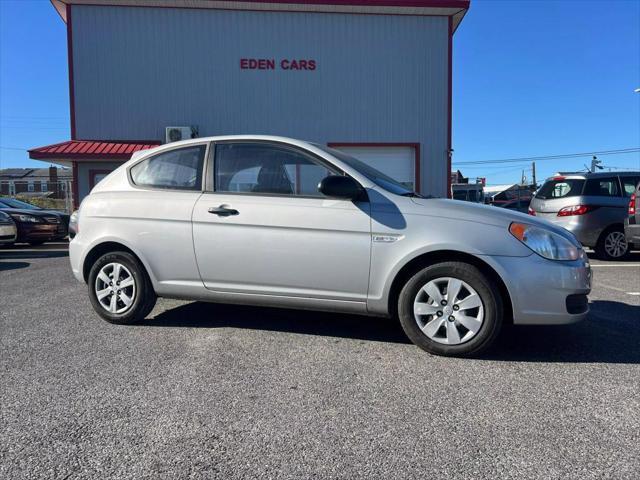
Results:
530 79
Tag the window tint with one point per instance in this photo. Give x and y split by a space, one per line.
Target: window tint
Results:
602 187
265 168
629 185
566 187
180 169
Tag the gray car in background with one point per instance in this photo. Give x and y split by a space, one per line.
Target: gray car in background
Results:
592 206
632 222
279 222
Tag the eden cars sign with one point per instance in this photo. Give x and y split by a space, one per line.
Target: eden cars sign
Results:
272 64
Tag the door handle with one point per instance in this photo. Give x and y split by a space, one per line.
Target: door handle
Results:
223 211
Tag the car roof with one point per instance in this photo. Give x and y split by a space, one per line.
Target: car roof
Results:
586 175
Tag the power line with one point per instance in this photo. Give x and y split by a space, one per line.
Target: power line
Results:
552 157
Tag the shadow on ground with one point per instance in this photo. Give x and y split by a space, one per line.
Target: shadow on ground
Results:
21 255
611 334
5 266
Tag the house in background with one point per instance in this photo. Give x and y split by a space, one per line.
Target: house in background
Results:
372 78
52 182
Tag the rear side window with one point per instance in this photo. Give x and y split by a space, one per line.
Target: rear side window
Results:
179 169
602 187
629 185
561 188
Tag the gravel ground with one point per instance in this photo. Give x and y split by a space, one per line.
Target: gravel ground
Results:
218 391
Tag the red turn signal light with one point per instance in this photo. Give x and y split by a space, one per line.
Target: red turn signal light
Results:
531 211
576 210
632 204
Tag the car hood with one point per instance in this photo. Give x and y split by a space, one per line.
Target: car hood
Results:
484 214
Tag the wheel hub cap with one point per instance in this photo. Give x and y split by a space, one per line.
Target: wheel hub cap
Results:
115 288
448 310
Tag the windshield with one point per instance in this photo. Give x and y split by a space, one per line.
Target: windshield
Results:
13 203
560 188
371 173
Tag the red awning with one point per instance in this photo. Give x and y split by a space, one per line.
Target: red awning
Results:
90 150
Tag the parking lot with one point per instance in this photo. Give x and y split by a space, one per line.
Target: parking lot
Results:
219 391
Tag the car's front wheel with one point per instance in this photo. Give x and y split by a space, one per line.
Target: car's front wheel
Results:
120 289
451 309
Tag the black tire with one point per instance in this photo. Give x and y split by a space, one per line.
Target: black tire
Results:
485 288
601 246
144 299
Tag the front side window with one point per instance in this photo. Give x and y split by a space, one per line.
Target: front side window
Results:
602 187
263 168
179 169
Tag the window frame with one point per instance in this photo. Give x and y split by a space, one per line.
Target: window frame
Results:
203 170
211 168
616 181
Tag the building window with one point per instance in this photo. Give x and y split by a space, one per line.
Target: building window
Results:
12 188
31 187
43 185
176 169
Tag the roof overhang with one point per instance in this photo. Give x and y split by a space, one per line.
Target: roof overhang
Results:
448 8
89 150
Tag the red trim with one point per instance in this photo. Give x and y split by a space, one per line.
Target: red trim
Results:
415 146
449 108
92 175
72 97
74 185
91 149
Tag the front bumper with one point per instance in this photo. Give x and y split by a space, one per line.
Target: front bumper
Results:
8 233
544 291
28 232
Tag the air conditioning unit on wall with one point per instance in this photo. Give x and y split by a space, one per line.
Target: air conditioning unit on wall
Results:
175 134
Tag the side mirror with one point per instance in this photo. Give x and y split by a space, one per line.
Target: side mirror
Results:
339 186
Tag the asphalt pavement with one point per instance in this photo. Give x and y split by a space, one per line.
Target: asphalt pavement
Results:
218 391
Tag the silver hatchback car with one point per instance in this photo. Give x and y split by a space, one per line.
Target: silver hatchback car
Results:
278 222
592 206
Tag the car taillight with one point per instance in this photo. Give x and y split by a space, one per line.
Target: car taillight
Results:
531 211
575 210
632 204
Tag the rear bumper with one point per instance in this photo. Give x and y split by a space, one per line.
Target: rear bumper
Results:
586 231
632 232
545 292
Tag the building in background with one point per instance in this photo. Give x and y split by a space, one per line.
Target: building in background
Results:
372 78
52 182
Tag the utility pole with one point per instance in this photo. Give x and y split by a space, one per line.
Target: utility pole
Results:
533 175
595 164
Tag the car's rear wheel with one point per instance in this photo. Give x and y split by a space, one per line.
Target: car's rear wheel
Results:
612 245
451 309
120 289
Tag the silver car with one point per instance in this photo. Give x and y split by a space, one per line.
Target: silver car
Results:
592 206
278 222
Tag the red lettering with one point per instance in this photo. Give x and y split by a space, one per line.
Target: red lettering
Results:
303 64
244 64
284 64
312 64
294 65
271 64
253 63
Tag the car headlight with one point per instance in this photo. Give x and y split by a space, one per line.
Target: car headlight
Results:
544 242
26 218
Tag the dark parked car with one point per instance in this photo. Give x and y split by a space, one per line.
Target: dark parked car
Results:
35 225
632 223
7 229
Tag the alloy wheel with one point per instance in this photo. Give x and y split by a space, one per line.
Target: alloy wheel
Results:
115 288
615 244
448 310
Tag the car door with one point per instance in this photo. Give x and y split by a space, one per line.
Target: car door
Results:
264 229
